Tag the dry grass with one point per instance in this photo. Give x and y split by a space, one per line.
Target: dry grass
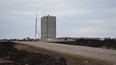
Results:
71 59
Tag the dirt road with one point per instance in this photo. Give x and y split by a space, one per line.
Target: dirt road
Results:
96 53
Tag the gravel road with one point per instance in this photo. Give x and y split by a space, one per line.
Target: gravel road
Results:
97 53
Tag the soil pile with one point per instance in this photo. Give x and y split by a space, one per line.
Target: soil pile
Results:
20 57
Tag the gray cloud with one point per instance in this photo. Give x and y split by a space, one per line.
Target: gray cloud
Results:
92 18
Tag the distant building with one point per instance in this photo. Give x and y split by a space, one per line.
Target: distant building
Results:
48 27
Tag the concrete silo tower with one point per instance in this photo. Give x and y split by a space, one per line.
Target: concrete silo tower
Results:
48 27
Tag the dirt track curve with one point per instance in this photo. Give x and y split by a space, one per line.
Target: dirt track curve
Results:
95 53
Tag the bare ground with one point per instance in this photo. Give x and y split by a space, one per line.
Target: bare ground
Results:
10 55
71 59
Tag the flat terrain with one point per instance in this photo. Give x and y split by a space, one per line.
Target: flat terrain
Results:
102 56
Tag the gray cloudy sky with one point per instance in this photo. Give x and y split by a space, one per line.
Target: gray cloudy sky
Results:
75 18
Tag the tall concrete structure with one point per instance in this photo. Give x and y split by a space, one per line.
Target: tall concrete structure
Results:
48 27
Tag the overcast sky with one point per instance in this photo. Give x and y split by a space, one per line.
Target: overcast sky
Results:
75 18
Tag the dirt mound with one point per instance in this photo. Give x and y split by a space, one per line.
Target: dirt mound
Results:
20 57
